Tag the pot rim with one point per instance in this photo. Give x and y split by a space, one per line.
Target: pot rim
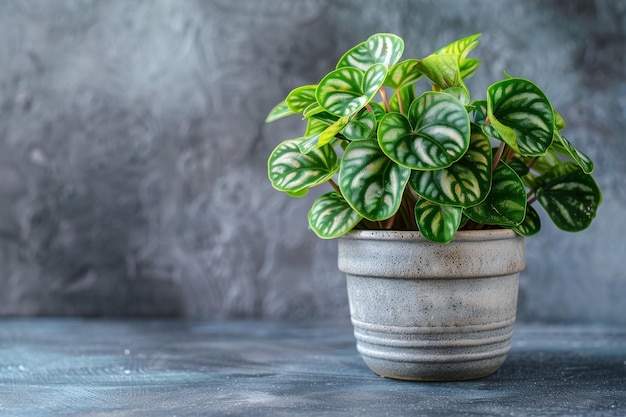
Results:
411 235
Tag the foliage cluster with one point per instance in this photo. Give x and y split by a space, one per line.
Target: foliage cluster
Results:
437 161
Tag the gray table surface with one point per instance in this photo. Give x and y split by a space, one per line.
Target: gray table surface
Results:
89 367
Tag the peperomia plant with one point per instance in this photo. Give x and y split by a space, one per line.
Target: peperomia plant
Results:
436 162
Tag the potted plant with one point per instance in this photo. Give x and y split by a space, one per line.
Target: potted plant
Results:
432 197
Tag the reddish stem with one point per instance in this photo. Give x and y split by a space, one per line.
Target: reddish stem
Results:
400 104
383 94
498 155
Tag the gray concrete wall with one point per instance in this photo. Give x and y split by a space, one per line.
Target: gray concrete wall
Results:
133 148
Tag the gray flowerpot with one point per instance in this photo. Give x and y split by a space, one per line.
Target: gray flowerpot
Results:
432 312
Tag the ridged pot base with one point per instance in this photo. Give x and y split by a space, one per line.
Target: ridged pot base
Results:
434 353
429 312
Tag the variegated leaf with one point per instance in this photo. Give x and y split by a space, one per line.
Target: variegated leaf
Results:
291 171
329 134
522 115
324 117
519 166
382 48
370 182
434 136
318 134
491 132
373 80
564 147
278 112
570 197
300 98
443 70
465 183
307 143
345 91
506 203
460 47
402 74
312 110
331 216
531 224
361 127
468 67
436 222
315 127
480 112
378 109
460 94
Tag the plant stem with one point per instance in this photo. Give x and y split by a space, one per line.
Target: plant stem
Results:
335 186
532 197
498 155
383 94
532 162
509 155
400 104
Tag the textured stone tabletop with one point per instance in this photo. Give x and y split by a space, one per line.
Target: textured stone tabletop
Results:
79 367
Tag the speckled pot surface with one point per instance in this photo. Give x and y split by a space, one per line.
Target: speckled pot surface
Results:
432 312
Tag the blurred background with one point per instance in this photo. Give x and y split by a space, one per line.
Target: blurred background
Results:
133 149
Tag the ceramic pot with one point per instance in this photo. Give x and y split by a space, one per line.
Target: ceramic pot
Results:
432 312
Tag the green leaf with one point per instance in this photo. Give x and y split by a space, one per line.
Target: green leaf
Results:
298 194
465 183
318 134
460 47
331 216
291 171
402 74
307 143
370 182
506 203
361 127
312 110
381 48
378 109
345 91
279 111
459 93
468 67
436 222
300 98
531 224
434 136
519 167
570 197
324 117
522 115
315 127
480 111
491 132
329 134
559 122
443 70
564 147
311 138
